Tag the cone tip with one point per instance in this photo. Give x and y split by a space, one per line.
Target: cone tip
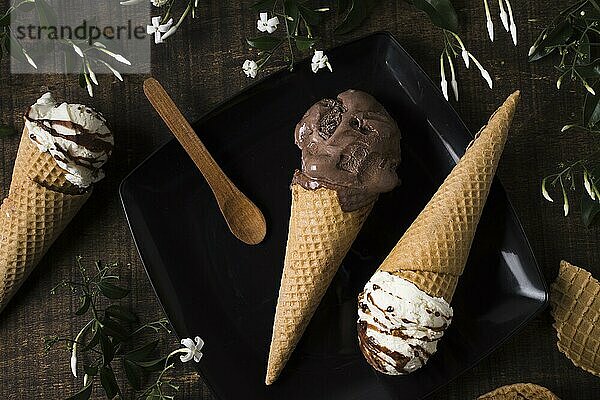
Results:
270 378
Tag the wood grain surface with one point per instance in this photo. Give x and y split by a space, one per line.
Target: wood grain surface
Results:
201 66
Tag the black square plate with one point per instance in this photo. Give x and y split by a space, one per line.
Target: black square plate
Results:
214 286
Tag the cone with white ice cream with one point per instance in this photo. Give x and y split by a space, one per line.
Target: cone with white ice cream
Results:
60 156
350 150
404 308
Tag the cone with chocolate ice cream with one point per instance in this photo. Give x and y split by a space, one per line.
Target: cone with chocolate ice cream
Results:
429 259
52 179
350 150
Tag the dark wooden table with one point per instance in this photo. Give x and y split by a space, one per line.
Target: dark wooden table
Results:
201 66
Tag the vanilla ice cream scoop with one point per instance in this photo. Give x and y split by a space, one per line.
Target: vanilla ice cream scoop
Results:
399 325
75 135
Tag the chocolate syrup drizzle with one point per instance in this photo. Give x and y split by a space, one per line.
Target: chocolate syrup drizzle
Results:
374 351
91 141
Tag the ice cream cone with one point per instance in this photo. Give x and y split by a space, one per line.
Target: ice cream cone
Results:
520 391
41 202
320 235
433 252
575 300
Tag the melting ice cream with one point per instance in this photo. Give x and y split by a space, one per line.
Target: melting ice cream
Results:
75 135
351 145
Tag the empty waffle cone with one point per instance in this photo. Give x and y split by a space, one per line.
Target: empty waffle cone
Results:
40 203
320 235
575 301
520 391
433 252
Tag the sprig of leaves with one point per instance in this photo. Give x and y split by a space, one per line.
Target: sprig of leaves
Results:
110 336
91 57
573 37
300 22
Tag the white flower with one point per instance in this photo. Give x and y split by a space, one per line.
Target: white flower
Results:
159 3
157 29
589 88
191 350
74 360
513 26
77 50
588 185
266 24
488 17
453 81
444 82
465 57
484 73
250 68
91 72
29 59
114 71
101 47
545 191
319 61
503 15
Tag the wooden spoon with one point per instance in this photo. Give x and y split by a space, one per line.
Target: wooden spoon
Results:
244 219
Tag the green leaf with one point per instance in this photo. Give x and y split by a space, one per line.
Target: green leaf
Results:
152 365
94 340
27 7
133 373
441 13
304 43
263 5
82 80
109 383
5 20
121 313
590 210
357 12
311 17
46 13
115 329
90 371
587 71
112 291
142 353
85 304
591 108
16 50
83 394
154 395
264 42
291 10
7 131
560 34
108 350
342 5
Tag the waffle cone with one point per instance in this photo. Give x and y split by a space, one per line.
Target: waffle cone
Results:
520 391
575 301
38 207
320 235
32 164
433 252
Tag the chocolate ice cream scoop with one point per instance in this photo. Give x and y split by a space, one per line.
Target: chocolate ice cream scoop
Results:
351 145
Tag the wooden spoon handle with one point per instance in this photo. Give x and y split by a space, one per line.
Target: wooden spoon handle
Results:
185 134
